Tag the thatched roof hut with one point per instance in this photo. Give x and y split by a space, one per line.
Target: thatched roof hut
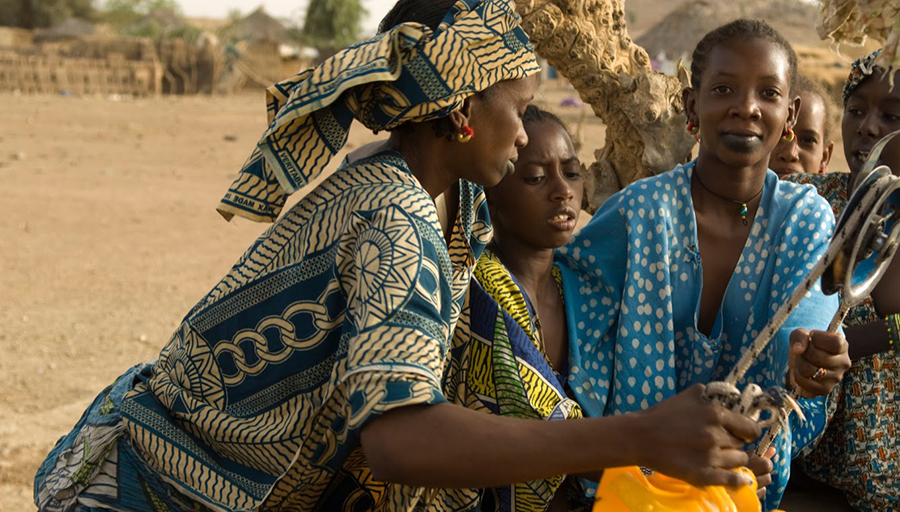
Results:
259 26
72 28
679 32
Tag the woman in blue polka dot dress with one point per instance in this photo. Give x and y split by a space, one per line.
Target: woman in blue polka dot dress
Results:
676 274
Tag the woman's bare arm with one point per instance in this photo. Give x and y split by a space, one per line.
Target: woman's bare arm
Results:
446 445
867 339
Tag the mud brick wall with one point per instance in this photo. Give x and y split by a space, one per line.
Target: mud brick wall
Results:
49 73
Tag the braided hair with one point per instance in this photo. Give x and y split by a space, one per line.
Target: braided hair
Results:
743 30
535 114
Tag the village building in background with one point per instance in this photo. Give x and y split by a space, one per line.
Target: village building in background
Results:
260 53
74 57
159 53
673 38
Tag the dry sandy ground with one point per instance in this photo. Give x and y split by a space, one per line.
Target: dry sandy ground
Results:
108 235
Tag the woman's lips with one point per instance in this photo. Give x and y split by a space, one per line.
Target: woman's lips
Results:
742 142
742 133
563 221
509 168
860 156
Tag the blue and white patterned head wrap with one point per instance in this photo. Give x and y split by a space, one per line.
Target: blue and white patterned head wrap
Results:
407 73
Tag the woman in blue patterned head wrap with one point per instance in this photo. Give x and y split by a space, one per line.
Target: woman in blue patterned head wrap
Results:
677 274
859 451
311 377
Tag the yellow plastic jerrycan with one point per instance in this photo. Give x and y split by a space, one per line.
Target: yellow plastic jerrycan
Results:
628 489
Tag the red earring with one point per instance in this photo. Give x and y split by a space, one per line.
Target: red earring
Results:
466 133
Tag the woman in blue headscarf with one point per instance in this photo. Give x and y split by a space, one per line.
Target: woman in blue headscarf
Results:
311 376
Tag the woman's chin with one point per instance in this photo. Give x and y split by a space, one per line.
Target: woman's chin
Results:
739 160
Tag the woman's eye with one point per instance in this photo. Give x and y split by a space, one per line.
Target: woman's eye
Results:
533 180
893 118
808 141
720 89
771 93
574 174
854 111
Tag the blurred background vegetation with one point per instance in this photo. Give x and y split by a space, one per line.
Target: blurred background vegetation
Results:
326 26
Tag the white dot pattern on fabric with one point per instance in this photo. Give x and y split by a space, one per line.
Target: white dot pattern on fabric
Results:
645 248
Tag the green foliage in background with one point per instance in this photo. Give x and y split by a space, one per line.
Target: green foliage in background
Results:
122 13
43 13
333 24
156 19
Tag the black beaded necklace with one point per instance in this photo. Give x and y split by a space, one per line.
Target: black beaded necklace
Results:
743 204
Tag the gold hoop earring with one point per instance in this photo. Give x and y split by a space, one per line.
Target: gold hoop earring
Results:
790 135
466 133
694 130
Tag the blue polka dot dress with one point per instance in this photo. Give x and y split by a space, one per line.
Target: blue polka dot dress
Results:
632 280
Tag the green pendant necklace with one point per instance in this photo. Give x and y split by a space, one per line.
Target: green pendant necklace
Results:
742 204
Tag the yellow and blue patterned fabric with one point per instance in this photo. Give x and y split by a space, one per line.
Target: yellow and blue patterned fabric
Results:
503 371
632 280
404 74
341 311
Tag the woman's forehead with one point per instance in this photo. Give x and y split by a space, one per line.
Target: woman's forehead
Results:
517 88
812 115
877 86
545 137
755 57
811 102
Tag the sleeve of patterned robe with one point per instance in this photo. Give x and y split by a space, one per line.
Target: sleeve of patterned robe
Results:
395 328
396 331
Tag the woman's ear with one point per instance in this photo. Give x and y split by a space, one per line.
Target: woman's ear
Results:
462 116
690 104
793 112
826 156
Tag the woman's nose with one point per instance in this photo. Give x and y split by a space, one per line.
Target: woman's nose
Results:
870 126
746 106
562 190
521 136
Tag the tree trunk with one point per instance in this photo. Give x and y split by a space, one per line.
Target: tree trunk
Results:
588 43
